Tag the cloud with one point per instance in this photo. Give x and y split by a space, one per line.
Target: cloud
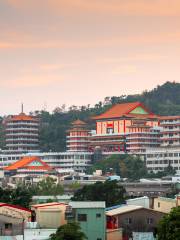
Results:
123 7
31 81
125 70
32 42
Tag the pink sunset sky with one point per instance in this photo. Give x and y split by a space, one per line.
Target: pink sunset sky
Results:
75 52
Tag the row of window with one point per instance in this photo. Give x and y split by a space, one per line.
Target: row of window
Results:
163 155
164 162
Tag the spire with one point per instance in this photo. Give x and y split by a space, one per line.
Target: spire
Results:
22 108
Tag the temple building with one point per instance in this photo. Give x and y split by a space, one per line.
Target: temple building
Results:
28 165
21 133
126 127
78 137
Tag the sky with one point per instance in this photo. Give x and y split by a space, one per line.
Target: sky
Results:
76 52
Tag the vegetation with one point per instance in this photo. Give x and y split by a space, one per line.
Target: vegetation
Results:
169 226
69 231
128 166
109 191
22 195
48 187
163 100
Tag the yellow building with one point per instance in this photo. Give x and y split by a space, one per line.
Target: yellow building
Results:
165 205
50 215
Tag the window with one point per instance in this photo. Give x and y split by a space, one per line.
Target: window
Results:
8 225
82 217
128 220
98 215
149 220
159 204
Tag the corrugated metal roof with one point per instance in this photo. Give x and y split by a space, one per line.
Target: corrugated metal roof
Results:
123 209
87 204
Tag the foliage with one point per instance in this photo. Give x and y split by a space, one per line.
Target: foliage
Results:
109 191
169 226
127 166
48 186
20 196
162 100
69 231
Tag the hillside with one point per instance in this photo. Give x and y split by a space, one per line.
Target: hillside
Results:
163 100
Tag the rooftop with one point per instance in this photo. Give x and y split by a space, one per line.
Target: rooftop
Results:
31 162
78 122
22 117
122 209
133 109
87 204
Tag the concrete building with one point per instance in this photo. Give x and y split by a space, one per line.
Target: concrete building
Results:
49 215
12 219
22 133
170 134
160 158
78 137
164 204
140 201
77 161
91 217
133 218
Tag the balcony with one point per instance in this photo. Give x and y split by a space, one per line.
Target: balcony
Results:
22 129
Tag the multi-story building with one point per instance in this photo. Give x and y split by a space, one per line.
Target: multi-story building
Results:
77 161
127 127
168 154
91 218
22 133
78 137
159 159
170 134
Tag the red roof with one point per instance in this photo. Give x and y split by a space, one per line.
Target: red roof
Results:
22 117
15 206
24 162
124 109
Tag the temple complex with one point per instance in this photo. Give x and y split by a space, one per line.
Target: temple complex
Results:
126 127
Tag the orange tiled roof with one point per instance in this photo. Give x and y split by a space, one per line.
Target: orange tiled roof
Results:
22 117
23 163
123 109
78 122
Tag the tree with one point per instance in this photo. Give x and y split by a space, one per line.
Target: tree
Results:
109 191
169 226
69 231
126 166
19 196
48 186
